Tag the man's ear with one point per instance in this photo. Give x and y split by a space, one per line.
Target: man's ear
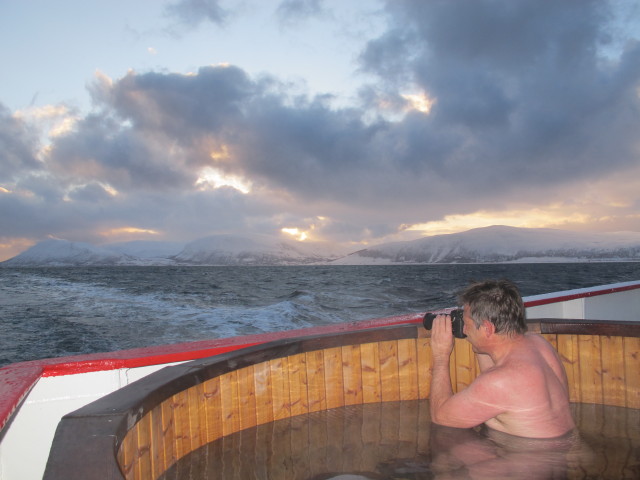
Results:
488 328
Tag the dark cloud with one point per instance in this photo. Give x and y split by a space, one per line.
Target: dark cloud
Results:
18 146
524 86
101 149
194 12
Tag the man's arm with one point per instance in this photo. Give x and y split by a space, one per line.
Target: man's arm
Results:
441 348
472 406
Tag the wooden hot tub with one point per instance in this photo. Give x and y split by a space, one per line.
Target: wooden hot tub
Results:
142 430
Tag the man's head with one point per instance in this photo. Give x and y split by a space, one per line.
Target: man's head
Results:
497 301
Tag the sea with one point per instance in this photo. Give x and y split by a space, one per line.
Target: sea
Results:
60 311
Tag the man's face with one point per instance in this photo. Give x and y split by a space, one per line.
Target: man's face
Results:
470 329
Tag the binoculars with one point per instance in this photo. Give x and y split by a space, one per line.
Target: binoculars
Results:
457 323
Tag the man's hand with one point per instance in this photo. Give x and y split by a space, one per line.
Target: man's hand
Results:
441 338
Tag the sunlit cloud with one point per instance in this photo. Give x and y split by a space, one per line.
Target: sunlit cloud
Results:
128 232
221 154
297 233
4 190
103 186
56 120
419 101
211 178
528 218
10 247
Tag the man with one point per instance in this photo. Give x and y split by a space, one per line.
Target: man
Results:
522 388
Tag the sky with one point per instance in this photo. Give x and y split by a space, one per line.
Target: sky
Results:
351 122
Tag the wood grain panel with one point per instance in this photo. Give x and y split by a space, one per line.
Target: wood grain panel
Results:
567 346
279 375
334 377
589 362
613 375
247 397
212 409
168 434
317 397
157 452
298 393
144 468
370 358
128 456
408 369
631 354
230 402
352 374
424 366
264 403
389 371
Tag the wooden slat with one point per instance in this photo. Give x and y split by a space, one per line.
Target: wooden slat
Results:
144 467
613 375
182 434
590 368
408 369
128 457
315 381
197 416
168 434
158 462
247 397
279 374
631 354
567 346
423 347
389 371
298 396
229 407
264 393
352 374
370 358
213 409
333 375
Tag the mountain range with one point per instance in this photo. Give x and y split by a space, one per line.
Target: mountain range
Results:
496 244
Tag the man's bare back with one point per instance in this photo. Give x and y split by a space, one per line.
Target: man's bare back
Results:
522 389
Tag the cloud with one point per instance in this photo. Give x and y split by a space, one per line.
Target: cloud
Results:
530 108
18 147
194 12
293 11
523 88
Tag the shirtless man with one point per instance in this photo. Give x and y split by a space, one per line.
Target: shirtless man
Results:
522 388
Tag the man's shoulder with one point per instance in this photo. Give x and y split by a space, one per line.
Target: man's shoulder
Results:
510 375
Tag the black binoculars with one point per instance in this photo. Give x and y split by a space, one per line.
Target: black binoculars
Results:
457 324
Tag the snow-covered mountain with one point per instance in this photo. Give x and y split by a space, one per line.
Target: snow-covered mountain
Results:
156 252
252 250
214 250
504 244
481 245
57 252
